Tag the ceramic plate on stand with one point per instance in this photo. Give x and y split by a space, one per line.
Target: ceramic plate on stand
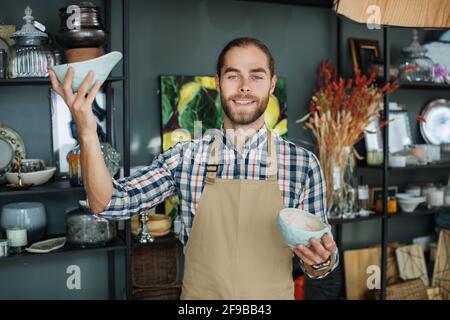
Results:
11 145
435 128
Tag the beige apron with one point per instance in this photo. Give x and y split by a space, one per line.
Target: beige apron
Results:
235 250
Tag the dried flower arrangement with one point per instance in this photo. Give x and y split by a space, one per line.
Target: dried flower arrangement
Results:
339 112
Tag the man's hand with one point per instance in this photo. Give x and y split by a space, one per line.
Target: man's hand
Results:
80 104
317 252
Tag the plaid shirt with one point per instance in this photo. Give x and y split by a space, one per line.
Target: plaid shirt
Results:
181 170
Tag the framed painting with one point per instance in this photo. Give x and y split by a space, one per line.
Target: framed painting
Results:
64 129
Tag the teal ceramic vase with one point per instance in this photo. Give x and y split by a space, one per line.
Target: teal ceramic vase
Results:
101 66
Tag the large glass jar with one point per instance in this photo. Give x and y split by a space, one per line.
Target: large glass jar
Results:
86 229
31 55
416 66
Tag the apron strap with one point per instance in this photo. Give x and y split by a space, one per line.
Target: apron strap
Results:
211 166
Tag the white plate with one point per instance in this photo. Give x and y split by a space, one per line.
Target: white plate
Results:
436 127
11 145
47 245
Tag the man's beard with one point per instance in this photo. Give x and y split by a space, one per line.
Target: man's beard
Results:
241 116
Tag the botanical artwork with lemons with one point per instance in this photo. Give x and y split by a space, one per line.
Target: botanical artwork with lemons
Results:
186 99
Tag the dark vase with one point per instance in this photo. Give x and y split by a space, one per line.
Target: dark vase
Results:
86 32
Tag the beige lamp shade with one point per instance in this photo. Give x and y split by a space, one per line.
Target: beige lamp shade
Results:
402 13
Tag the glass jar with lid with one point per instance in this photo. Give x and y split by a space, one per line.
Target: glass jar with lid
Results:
416 66
110 155
31 55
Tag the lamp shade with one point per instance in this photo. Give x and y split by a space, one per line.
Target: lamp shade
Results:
402 13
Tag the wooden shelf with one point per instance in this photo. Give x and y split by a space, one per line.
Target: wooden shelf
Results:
374 216
169 238
53 186
443 165
425 86
420 211
115 244
41 81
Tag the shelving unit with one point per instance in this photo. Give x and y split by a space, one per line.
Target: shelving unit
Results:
115 244
58 186
420 211
443 165
384 218
54 186
41 81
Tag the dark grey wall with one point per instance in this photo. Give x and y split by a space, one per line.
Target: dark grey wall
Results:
176 37
185 37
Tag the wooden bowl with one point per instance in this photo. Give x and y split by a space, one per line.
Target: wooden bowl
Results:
158 224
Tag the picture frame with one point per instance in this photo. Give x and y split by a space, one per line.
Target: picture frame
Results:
364 53
400 136
64 130
373 136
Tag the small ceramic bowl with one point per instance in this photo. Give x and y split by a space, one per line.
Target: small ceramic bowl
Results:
408 197
397 161
298 227
101 66
409 205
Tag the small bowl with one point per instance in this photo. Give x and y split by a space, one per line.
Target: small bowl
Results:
35 178
157 224
298 227
407 197
397 161
409 205
414 191
102 67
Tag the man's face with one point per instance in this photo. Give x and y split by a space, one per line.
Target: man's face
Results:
245 84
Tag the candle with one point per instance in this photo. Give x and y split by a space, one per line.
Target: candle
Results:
17 237
3 248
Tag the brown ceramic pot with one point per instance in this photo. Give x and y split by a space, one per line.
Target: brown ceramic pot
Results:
82 54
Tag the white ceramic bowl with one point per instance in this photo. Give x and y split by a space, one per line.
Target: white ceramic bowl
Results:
414 191
397 161
36 178
409 205
298 226
408 197
101 66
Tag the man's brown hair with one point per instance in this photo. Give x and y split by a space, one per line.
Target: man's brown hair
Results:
245 42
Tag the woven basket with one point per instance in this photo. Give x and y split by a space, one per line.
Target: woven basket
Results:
155 266
168 293
408 290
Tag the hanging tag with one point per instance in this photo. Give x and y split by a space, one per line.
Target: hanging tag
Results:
39 26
